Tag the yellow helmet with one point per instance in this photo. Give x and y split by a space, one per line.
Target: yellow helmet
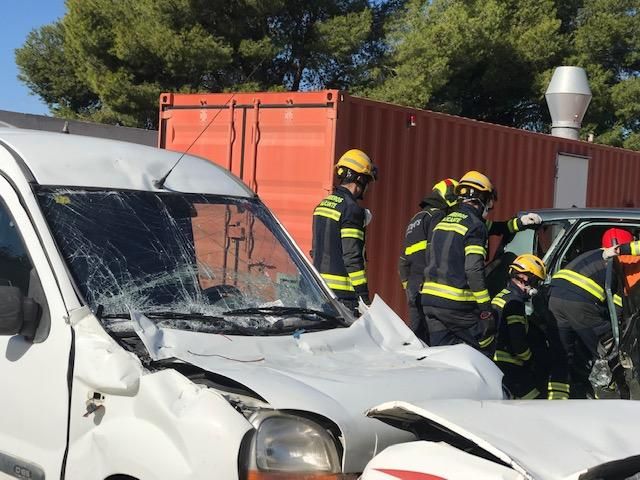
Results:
529 264
474 184
356 161
447 190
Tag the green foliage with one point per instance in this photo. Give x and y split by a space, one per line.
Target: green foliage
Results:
492 60
110 59
47 71
477 58
607 46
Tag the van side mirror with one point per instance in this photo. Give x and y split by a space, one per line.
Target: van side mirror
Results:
18 315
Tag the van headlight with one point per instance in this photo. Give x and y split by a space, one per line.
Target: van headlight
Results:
284 446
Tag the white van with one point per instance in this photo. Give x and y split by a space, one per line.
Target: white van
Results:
157 322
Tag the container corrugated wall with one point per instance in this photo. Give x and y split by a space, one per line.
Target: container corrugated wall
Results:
300 135
412 158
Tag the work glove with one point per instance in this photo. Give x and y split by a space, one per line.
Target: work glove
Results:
489 321
531 219
610 252
487 341
368 216
363 305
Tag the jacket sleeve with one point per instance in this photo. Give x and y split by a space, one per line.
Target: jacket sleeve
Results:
404 262
504 227
475 254
435 219
514 316
415 244
352 236
404 266
632 248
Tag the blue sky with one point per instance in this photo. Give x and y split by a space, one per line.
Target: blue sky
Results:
20 17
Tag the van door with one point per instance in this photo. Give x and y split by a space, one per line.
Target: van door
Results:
34 402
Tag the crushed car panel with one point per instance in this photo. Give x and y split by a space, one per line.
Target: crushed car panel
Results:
540 440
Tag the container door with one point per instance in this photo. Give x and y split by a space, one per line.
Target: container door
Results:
282 151
571 181
288 161
35 393
213 132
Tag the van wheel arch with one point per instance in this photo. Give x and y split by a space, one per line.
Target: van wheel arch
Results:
120 477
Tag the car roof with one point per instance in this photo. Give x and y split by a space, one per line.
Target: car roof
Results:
59 159
550 214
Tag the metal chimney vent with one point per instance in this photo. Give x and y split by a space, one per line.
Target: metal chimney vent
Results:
568 96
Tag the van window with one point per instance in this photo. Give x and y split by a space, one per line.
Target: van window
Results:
15 266
177 254
589 238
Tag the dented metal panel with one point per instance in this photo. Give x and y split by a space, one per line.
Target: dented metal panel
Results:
337 373
577 434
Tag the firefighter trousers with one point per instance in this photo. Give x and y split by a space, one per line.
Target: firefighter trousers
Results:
575 328
450 327
418 321
521 381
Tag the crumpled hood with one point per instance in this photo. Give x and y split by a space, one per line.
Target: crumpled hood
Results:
337 373
541 440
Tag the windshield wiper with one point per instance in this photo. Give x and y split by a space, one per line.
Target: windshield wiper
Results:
217 321
292 311
168 315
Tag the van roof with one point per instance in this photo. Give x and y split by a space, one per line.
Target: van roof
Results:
60 159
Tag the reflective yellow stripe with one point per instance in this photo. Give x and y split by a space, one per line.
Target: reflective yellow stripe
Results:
475 250
337 278
450 293
617 300
337 282
358 278
482 296
506 357
560 387
531 395
526 355
582 282
452 227
513 225
499 302
635 248
404 285
352 233
339 286
486 341
327 212
416 247
511 319
558 396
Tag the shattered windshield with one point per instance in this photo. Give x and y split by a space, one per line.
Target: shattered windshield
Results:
180 256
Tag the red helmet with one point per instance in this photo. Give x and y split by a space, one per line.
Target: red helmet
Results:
616 236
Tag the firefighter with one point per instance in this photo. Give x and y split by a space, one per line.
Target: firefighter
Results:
578 310
513 353
454 293
339 231
412 257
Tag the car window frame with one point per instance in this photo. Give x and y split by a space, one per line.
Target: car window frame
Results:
571 235
45 316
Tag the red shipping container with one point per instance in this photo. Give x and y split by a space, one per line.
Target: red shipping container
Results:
284 146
